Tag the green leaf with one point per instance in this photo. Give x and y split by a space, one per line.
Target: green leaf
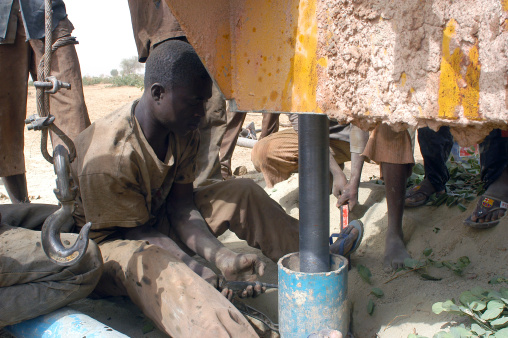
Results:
499 323
364 273
412 335
370 307
419 169
467 297
429 277
462 207
427 252
377 292
479 291
478 329
498 280
148 327
441 199
503 333
436 230
411 263
437 308
479 305
491 314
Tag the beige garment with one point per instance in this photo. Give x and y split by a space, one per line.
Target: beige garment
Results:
211 130
175 298
270 125
30 284
388 146
121 181
19 59
152 23
276 156
123 185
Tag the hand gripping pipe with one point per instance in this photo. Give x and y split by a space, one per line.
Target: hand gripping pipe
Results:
61 220
313 168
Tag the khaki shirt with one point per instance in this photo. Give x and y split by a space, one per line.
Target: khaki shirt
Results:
122 183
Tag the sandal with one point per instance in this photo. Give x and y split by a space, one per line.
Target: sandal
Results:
486 204
423 188
356 224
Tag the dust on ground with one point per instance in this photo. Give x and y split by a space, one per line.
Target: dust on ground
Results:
407 302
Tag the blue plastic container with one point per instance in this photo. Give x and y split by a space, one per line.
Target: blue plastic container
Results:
310 302
61 323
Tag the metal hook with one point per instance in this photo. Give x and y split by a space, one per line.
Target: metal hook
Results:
61 220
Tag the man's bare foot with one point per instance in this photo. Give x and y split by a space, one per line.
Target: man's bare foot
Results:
490 207
352 235
395 253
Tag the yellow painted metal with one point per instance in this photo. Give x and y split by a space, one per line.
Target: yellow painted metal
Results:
262 53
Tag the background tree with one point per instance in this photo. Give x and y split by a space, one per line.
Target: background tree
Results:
114 72
130 66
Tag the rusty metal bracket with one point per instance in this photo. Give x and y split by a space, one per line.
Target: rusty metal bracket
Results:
52 85
62 220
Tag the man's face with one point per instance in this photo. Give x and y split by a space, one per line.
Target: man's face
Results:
181 108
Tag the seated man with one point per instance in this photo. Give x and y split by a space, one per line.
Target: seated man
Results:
135 170
30 284
276 156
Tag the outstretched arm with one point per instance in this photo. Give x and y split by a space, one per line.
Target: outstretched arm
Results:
194 232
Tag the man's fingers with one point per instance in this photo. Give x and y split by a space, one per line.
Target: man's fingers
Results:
260 267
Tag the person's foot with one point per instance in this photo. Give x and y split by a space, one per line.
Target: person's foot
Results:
395 253
492 205
419 194
343 246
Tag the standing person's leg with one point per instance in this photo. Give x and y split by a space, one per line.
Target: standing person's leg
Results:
435 148
14 66
68 106
269 125
179 302
394 151
276 156
493 204
211 134
30 284
227 147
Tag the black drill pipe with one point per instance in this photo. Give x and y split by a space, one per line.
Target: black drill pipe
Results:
314 181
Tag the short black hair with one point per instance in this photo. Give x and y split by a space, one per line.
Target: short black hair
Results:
173 63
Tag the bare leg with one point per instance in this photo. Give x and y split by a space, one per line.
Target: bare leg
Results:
395 176
16 188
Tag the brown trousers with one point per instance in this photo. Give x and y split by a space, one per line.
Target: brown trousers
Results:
269 126
19 59
30 284
276 156
211 132
172 295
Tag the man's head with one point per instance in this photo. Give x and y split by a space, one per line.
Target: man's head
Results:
178 85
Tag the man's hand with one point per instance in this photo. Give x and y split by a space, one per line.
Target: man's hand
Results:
241 267
348 195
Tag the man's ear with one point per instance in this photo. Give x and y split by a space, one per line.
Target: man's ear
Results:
157 91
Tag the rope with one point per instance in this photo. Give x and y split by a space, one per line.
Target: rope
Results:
42 96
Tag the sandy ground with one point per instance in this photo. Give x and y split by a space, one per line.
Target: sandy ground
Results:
406 305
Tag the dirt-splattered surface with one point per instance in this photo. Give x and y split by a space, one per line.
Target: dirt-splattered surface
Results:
406 305
405 62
